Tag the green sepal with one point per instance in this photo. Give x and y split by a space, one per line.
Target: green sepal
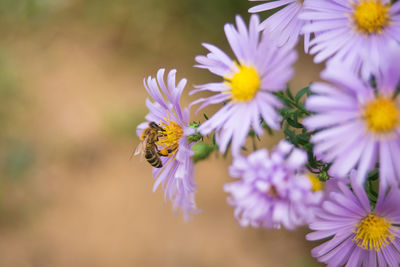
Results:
196 136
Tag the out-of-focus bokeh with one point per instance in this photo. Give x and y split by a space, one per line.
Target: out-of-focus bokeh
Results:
71 97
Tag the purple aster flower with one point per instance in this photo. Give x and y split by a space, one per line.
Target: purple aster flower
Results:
285 25
177 173
355 32
261 68
358 126
273 189
358 234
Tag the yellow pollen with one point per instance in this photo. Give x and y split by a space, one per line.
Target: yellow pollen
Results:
381 115
171 136
244 83
317 185
371 16
373 233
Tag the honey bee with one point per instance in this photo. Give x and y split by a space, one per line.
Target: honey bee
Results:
147 146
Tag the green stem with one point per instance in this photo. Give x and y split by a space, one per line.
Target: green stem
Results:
253 138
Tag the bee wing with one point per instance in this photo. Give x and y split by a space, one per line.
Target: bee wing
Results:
142 152
139 148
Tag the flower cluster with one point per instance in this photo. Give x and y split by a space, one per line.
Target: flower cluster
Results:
338 169
274 189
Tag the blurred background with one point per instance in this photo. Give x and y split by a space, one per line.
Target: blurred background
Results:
71 96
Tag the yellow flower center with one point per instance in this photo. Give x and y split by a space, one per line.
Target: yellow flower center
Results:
169 138
244 83
371 16
373 233
381 115
316 184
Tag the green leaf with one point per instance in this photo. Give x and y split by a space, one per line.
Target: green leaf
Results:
289 93
291 135
294 123
301 93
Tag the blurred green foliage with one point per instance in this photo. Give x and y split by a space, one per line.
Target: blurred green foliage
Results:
18 158
187 12
121 123
204 14
10 96
16 154
17 11
158 26
132 24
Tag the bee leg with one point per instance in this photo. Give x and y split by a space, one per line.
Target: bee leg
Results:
159 128
167 151
159 135
163 152
173 148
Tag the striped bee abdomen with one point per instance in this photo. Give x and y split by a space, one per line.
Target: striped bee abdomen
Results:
153 158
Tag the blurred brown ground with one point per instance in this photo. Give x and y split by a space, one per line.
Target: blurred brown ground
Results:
81 201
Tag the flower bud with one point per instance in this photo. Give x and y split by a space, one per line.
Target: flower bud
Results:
202 151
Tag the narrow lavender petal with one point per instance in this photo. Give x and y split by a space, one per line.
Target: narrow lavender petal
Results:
326 120
386 170
217 119
212 100
284 24
255 119
161 82
218 54
367 160
176 96
154 93
214 66
213 87
395 153
233 38
353 152
355 258
241 130
268 6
